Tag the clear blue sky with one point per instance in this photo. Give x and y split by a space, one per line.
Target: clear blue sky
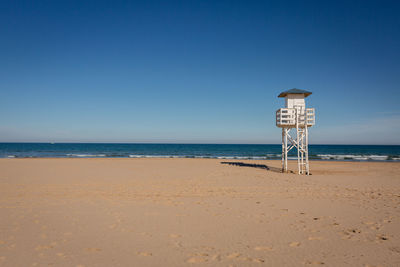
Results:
197 71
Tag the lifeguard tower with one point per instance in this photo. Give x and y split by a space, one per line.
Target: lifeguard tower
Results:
295 116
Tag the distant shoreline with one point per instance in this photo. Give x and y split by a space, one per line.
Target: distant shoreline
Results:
180 143
197 158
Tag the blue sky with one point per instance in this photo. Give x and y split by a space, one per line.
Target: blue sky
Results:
197 71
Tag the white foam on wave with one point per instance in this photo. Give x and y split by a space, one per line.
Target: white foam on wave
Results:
258 157
267 156
152 156
198 157
241 157
86 155
352 157
11 156
332 156
274 155
378 157
360 158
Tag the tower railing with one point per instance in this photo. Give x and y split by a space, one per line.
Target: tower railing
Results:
286 117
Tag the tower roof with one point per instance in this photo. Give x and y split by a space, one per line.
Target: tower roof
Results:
296 92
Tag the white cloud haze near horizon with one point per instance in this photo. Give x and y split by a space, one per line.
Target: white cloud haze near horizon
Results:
383 130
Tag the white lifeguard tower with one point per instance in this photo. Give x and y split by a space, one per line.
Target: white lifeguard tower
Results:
296 116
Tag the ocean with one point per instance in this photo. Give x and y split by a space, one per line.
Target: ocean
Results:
220 151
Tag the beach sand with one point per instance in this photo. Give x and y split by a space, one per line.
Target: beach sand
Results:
183 212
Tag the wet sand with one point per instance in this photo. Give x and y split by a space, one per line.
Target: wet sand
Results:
182 212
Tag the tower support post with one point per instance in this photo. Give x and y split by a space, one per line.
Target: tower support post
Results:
283 150
300 142
306 151
286 148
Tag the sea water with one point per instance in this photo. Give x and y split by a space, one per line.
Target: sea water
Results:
220 151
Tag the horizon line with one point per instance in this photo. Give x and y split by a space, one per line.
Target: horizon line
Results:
178 143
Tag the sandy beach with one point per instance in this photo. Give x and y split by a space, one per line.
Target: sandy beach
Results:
207 212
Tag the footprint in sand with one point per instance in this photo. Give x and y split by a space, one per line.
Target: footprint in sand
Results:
260 248
93 249
146 234
216 257
294 244
177 244
315 238
368 223
174 236
43 247
314 263
350 233
382 237
233 256
395 249
245 259
145 253
60 254
195 260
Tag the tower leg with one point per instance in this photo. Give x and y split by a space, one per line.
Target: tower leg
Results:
303 169
306 150
283 149
286 148
298 143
